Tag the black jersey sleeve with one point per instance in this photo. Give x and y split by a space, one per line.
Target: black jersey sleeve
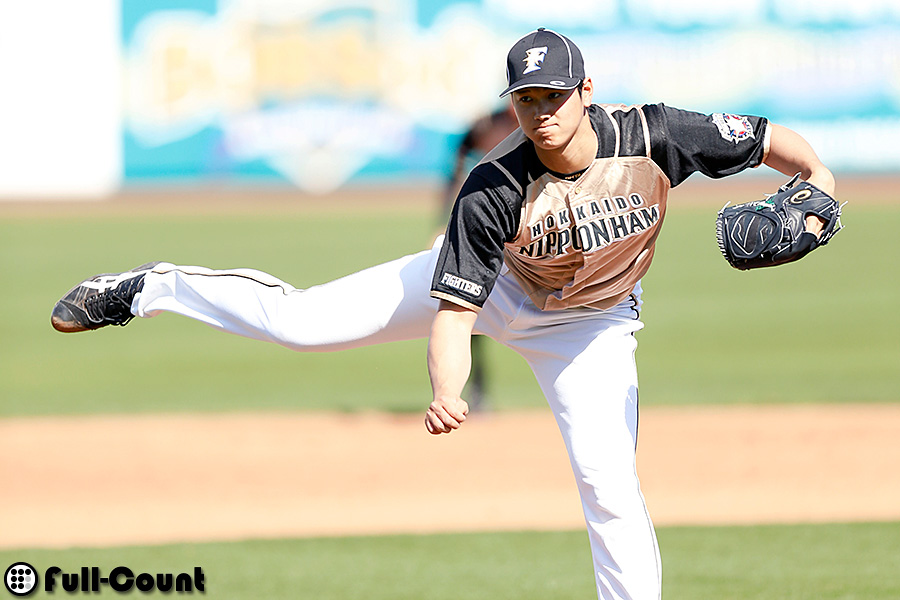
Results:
716 145
482 220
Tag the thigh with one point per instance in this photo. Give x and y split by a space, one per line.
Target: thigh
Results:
385 303
588 375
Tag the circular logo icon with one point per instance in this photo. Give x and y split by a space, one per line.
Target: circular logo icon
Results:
20 579
800 196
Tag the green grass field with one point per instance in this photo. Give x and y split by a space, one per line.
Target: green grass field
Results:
799 562
824 329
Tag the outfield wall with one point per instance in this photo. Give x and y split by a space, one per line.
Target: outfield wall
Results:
318 94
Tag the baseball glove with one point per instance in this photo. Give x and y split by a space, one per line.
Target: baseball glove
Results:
773 231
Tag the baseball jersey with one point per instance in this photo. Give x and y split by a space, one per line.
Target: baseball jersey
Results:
584 240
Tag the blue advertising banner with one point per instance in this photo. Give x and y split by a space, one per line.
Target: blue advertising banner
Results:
320 93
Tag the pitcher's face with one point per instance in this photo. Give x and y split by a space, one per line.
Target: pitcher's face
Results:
549 117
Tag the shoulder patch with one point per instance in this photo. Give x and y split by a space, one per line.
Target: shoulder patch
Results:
733 128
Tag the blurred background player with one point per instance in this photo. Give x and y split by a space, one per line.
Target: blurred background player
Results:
485 133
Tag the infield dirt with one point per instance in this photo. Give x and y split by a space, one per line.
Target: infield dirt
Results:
116 480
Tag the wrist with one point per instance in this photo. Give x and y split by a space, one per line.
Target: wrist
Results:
822 179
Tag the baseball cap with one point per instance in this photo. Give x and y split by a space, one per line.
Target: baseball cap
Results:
544 58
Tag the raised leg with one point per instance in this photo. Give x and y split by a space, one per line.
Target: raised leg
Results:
385 303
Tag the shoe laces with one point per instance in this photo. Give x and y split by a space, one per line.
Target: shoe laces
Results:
113 305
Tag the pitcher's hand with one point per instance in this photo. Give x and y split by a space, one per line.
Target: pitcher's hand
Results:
445 414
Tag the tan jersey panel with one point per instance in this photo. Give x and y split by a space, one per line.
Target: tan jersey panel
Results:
588 242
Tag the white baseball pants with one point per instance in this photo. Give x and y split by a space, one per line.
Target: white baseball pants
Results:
583 360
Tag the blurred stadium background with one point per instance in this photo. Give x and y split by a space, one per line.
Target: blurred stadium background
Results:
321 94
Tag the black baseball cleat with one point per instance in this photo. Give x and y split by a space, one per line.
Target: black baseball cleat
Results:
99 301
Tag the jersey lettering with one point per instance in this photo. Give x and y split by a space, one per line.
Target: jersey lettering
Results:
591 235
463 285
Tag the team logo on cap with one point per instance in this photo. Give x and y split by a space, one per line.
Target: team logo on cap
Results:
534 57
